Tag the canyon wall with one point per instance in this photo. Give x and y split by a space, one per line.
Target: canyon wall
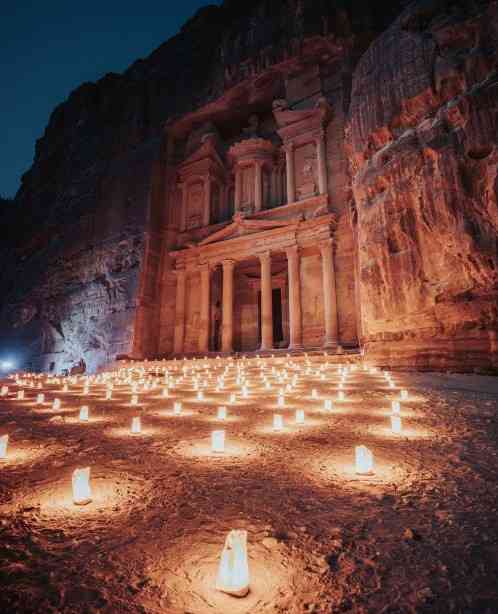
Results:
423 138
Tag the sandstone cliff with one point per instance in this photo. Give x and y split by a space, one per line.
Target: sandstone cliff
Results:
424 159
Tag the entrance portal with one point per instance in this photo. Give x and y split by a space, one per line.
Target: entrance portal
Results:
278 329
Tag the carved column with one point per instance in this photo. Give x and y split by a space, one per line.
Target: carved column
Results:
329 293
179 311
238 189
227 317
322 164
289 166
295 316
207 201
183 216
258 186
204 315
266 302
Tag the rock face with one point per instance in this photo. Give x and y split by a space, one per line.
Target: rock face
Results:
423 137
411 152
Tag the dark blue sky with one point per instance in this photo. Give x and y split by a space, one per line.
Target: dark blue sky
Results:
49 47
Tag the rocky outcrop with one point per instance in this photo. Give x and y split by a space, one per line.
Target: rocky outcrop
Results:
423 154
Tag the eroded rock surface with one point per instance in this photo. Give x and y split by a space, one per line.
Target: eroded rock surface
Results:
424 176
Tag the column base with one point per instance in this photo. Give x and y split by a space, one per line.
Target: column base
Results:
295 346
332 345
265 349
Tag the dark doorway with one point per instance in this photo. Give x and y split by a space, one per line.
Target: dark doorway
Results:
278 330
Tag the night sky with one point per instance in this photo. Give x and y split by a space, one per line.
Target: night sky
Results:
50 48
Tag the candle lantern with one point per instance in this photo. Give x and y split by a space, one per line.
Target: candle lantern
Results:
233 571
340 395
56 404
218 442
134 399
108 394
177 408
278 422
404 395
40 398
299 416
200 396
136 425
4 442
222 413
20 395
82 494
281 400
396 424
364 461
395 406
233 398
165 392
84 413
314 393
5 391
327 404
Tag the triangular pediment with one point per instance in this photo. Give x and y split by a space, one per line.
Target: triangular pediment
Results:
207 151
242 226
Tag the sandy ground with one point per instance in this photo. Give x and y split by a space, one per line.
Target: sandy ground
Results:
420 535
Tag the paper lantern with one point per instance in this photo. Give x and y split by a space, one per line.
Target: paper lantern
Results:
327 404
84 413
299 416
395 406
278 422
222 413
218 442
233 571
4 442
404 395
20 395
136 425
396 424
56 404
40 398
364 461
82 493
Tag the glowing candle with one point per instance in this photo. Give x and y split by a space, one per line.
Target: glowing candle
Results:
108 394
218 442
281 400
267 385
299 416
4 442
340 395
233 571
40 398
392 384
20 395
177 408
136 425
82 493
222 413
395 406
84 413
327 404
404 395
314 393
5 391
278 422
364 460
165 392
200 396
233 398
396 424
134 399
56 404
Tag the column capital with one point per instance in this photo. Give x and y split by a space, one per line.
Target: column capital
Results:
289 147
265 256
204 266
293 251
179 272
228 263
326 244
